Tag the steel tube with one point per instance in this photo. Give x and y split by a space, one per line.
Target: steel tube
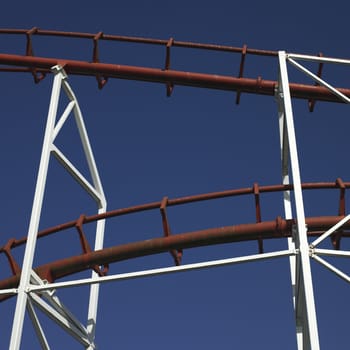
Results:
279 228
210 81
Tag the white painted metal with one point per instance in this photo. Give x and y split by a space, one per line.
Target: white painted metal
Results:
294 267
332 268
320 81
60 320
37 326
94 289
9 291
165 270
330 231
305 304
331 252
63 119
319 59
57 311
21 303
76 174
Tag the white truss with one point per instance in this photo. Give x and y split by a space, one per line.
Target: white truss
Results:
25 300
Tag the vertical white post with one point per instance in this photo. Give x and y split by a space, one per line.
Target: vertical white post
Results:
304 298
21 303
294 267
95 288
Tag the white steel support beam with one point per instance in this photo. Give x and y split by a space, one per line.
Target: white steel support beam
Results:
37 326
294 267
164 270
304 303
319 80
54 301
95 288
57 311
60 320
21 303
102 205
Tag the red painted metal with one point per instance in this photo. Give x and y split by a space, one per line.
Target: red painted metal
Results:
175 243
279 228
39 66
172 77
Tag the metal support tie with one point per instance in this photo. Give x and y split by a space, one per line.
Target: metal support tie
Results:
169 86
38 77
176 254
241 68
86 246
319 74
258 214
29 47
95 58
336 236
7 250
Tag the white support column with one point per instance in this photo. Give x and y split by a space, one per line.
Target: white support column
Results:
95 288
304 298
21 303
294 267
85 336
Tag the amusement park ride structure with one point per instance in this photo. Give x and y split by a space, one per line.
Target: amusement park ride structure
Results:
37 286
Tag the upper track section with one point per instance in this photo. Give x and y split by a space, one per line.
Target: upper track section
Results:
95 64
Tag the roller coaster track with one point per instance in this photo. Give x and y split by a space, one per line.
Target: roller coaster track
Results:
176 243
333 227
40 66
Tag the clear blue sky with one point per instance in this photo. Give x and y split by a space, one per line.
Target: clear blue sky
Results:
148 146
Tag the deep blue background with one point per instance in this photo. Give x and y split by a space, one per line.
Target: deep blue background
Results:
148 146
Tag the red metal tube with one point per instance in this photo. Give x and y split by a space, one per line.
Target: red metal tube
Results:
267 230
210 81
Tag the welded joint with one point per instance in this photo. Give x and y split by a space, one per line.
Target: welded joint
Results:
311 251
58 69
278 93
36 280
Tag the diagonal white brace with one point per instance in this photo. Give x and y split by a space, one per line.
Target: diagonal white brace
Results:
60 320
37 326
319 80
330 231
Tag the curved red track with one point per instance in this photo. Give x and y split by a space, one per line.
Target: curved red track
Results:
279 228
